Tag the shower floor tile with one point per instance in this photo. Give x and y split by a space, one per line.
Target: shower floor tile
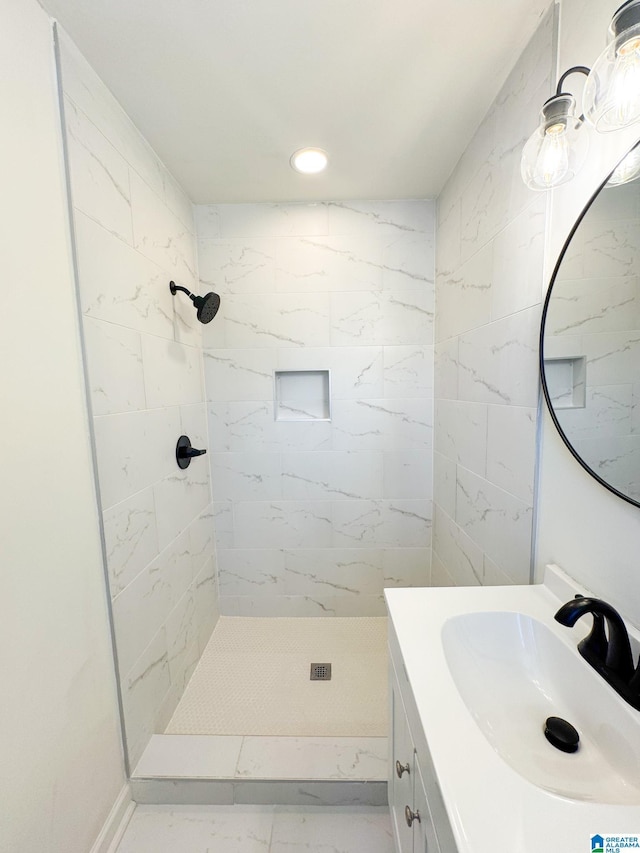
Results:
253 679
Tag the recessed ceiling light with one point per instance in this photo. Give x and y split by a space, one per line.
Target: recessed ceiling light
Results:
309 161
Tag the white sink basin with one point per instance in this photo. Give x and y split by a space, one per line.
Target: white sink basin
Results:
512 672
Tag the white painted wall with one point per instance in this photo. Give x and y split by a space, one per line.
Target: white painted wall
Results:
591 533
59 731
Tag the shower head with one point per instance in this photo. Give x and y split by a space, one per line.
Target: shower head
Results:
207 305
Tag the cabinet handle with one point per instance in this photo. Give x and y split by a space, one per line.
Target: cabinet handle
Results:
410 816
402 768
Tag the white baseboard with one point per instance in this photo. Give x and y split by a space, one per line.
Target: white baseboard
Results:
114 827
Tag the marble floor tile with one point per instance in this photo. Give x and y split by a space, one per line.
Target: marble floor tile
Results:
258 829
331 830
198 829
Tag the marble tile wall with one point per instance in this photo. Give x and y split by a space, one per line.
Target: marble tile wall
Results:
489 286
316 517
134 231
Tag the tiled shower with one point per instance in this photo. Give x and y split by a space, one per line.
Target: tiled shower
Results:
310 516
312 506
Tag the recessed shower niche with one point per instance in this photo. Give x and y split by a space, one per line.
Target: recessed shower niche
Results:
302 395
566 380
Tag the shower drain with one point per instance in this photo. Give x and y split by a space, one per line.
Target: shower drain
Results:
320 672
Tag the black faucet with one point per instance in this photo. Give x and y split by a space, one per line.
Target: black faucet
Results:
608 653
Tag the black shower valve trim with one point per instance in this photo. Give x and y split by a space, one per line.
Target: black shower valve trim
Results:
185 452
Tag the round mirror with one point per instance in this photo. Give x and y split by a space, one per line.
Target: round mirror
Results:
590 338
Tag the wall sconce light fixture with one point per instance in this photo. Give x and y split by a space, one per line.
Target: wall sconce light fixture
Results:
611 97
557 149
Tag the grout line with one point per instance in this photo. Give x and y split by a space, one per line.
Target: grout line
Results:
236 772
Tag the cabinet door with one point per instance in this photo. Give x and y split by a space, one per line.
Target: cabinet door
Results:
400 786
424 834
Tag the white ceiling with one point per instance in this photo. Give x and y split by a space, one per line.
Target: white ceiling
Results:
226 90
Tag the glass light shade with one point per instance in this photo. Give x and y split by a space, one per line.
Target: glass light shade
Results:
309 161
611 98
557 149
626 171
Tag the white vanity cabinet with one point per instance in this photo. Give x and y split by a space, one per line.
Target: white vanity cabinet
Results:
402 771
418 817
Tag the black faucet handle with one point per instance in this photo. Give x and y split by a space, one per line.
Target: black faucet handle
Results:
189 452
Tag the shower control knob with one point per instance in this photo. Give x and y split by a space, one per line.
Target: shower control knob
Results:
185 452
190 452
